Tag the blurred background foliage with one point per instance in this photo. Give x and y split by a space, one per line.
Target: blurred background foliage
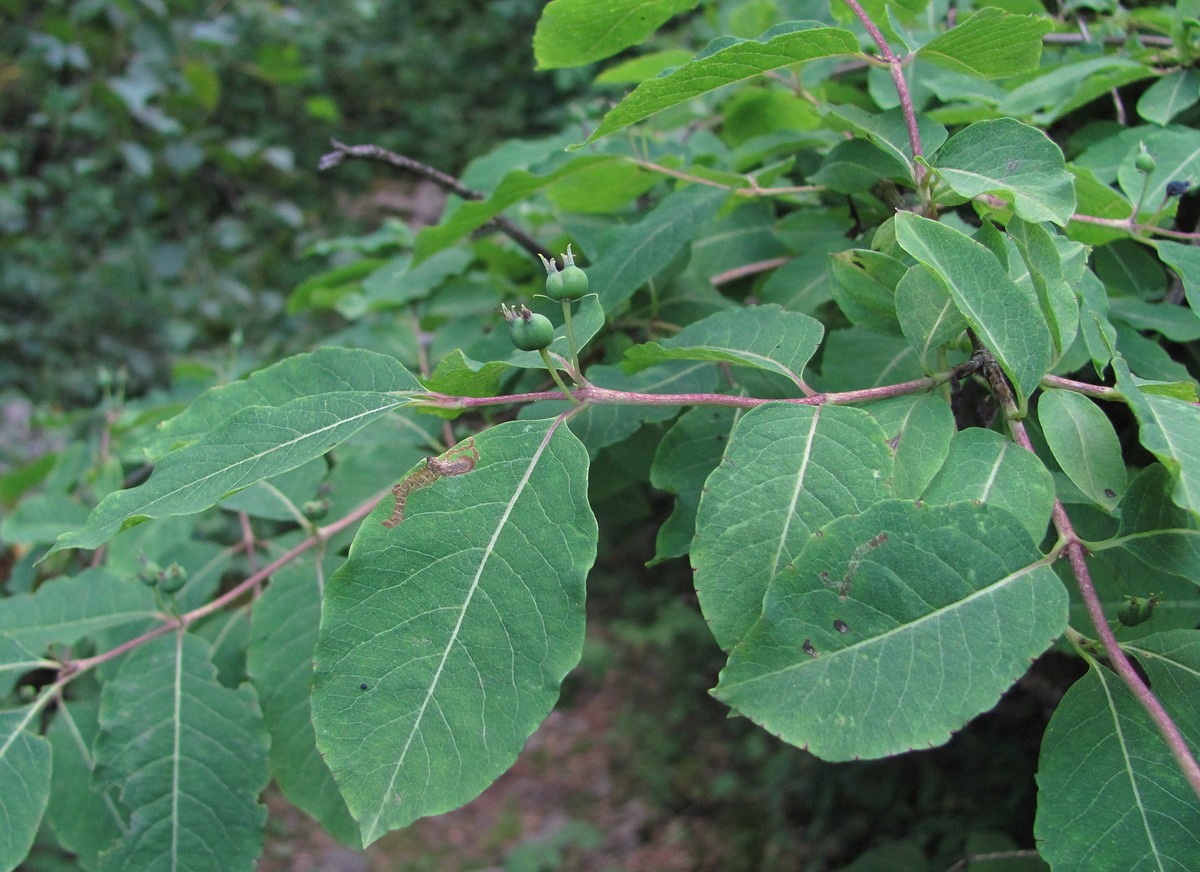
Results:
157 160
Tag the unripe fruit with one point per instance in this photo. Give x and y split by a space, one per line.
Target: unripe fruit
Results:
574 280
529 331
1145 162
173 579
1137 610
554 279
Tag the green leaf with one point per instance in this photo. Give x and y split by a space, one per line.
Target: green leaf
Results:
1172 663
24 783
1174 93
398 282
763 337
928 317
42 518
865 287
1044 261
1110 795
1177 323
1059 90
856 359
1084 443
991 44
1006 317
86 821
1154 531
461 622
279 662
280 498
1185 260
786 470
920 590
983 466
1178 154
65 610
327 370
888 131
1170 429
255 443
516 186
572 33
919 431
1013 160
638 69
189 757
856 165
639 252
685 457
782 46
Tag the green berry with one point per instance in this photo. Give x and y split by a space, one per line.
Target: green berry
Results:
529 331
574 280
173 579
554 279
1145 162
1137 610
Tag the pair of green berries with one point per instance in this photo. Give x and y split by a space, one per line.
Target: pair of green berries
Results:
533 332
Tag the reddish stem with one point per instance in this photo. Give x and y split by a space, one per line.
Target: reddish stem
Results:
896 66
1077 555
320 536
590 394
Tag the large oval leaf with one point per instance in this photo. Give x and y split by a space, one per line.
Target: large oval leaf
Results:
872 644
1110 796
445 638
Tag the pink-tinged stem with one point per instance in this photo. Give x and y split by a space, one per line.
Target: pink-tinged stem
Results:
322 534
896 65
1077 555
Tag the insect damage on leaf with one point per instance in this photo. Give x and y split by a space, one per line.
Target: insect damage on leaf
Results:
458 460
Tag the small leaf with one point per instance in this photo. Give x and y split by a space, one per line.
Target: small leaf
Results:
787 469
1010 159
65 610
24 784
1044 261
189 757
764 337
572 33
888 131
279 662
255 443
1174 93
1084 443
782 46
927 314
1161 536
919 430
1102 754
865 288
921 589
1185 260
685 457
639 252
516 186
461 621
42 518
983 466
1007 318
991 44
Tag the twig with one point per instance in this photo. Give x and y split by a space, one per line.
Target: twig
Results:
971 859
747 269
896 65
1112 649
447 182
